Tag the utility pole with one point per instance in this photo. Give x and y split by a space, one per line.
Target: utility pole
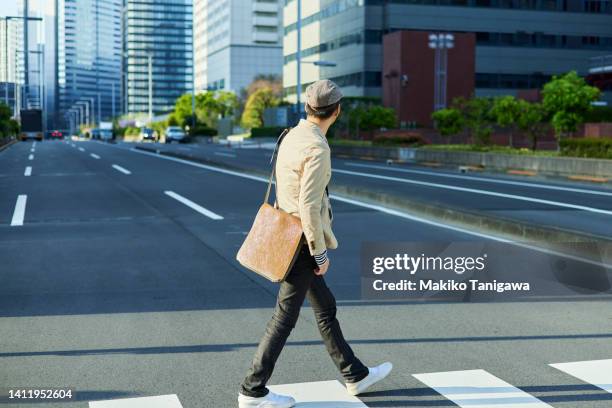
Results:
150 88
113 101
99 110
298 59
440 43
26 54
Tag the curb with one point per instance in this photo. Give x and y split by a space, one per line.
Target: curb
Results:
570 242
7 145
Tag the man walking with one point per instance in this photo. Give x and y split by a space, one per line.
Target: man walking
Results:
303 170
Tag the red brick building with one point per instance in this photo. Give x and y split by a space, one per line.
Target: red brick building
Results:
408 73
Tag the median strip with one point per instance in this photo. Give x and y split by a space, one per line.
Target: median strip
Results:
28 171
193 205
19 213
121 169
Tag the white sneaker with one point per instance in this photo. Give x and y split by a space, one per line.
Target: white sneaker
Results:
375 375
271 400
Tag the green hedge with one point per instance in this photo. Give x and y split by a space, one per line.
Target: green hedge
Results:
203 131
271 131
591 147
399 140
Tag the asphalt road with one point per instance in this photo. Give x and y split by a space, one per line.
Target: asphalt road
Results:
573 206
114 288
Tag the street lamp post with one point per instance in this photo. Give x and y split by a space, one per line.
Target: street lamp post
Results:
440 43
150 66
298 59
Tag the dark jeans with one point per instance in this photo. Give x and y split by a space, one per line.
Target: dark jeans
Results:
301 282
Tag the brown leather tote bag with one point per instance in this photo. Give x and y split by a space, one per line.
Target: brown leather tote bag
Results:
273 243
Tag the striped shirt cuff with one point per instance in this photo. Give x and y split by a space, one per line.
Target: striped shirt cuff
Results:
321 258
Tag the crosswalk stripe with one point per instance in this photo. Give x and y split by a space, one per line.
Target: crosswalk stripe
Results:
478 388
319 394
595 372
160 401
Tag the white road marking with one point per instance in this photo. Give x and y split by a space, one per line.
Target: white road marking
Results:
193 205
32 150
19 213
478 191
28 171
483 179
225 154
160 401
319 394
95 156
81 149
478 388
595 372
382 209
31 157
121 169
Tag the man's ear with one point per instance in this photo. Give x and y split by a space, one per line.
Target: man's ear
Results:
338 110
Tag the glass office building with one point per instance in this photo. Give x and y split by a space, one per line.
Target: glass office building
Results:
89 57
520 44
158 32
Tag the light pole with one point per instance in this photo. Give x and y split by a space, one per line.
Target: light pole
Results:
298 59
440 43
150 64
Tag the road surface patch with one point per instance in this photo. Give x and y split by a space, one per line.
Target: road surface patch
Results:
595 372
160 401
193 205
320 394
121 169
225 154
19 213
478 388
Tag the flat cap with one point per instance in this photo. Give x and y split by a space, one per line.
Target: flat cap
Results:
322 93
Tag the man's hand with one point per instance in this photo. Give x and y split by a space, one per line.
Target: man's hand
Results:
322 269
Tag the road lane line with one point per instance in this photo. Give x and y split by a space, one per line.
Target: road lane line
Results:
31 157
28 171
193 205
121 169
380 208
225 154
483 179
81 149
95 156
479 388
477 191
595 372
159 401
32 150
19 213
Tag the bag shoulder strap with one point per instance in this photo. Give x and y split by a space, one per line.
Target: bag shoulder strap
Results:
273 162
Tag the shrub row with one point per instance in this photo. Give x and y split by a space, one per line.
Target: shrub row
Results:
399 140
271 131
591 147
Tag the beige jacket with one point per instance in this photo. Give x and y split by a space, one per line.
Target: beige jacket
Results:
303 170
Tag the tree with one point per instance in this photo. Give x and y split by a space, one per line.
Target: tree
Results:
531 119
567 99
263 81
377 117
252 117
505 112
477 116
449 121
8 126
227 103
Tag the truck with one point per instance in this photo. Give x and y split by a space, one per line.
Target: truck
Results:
31 124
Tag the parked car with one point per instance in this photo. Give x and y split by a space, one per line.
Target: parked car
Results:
147 134
173 133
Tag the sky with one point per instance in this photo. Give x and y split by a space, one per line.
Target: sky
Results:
8 8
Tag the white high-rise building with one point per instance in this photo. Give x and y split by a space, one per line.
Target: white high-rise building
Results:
236 40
